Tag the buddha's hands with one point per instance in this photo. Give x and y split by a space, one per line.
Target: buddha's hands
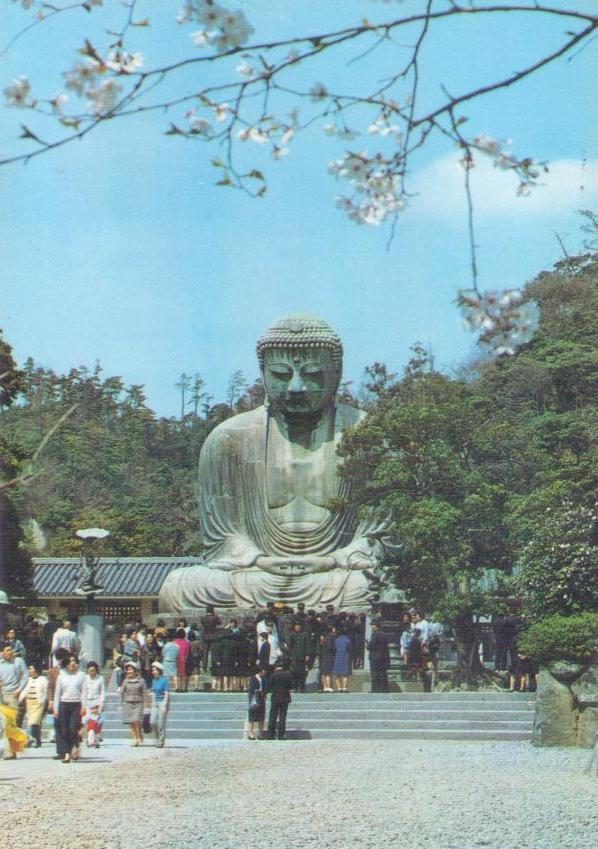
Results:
293 565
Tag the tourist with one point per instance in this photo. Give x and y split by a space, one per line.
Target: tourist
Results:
151 653
94 699
57 663
34 646
160 630
301 615
35 696
131 647
327 660
132 697
210 622
341 667
65 638
423 625
246 655
13 679
313 628
405 638
194 659
284 624
48 631
17 645
263 655
329 616
379 655
170 653
414 652
280 685
299 648
256 694
68 699
229 660
268 626
435 634
216 667
160 692
182 657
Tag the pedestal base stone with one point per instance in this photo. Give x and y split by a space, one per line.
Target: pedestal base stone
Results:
91 634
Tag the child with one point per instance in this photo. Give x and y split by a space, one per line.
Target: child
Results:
94 697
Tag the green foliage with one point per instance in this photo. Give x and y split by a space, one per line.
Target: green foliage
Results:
10 376
559 566
559 637
15 564
474 470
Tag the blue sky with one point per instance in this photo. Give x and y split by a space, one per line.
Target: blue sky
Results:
120 248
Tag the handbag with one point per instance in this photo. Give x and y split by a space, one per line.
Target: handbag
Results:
257 699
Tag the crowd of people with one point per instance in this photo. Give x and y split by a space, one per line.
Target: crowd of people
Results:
43 670
233 652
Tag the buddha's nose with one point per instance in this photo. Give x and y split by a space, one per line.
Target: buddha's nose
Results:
296 384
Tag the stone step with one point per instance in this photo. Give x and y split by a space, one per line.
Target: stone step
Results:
476 716
350 716
482 735
202 725
364 698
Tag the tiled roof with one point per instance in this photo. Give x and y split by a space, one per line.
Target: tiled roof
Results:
119 576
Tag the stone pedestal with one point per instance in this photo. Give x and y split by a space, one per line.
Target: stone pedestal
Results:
91 634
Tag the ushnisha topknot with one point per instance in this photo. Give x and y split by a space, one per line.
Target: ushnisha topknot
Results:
301 331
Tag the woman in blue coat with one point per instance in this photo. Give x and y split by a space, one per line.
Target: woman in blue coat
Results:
341 668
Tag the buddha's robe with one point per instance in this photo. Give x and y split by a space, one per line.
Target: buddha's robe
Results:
260 494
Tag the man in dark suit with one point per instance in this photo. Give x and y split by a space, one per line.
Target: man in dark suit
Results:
379 659
263 653
280 686
299 649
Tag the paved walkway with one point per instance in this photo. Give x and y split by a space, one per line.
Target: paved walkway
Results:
327 795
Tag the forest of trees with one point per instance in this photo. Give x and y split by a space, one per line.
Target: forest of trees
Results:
492 468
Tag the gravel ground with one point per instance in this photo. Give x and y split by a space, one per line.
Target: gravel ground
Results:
330 795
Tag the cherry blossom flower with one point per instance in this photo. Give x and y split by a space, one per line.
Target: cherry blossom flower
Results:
209 14
59 101
82 75
255 134
17 92
279 152
105 97
377 186
221 111
246 69
203 38
123 62
502 319
236 31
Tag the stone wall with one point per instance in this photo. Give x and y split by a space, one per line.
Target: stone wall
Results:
567 705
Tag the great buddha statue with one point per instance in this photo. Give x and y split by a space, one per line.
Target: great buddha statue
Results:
266 481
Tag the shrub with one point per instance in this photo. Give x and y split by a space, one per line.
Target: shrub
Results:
562 638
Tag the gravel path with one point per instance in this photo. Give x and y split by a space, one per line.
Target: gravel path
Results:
296 795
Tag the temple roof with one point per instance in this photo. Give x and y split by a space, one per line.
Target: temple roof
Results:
118 576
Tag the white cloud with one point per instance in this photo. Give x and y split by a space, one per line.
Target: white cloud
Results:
569 185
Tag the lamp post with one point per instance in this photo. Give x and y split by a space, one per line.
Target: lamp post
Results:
91 626
89 564
4 605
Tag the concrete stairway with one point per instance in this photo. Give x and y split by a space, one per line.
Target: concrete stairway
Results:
358 716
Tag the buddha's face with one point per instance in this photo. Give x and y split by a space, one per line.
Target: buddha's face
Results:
300 381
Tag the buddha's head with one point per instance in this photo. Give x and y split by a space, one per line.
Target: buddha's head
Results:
301 359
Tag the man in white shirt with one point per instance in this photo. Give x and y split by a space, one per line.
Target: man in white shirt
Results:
65 637
422 625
